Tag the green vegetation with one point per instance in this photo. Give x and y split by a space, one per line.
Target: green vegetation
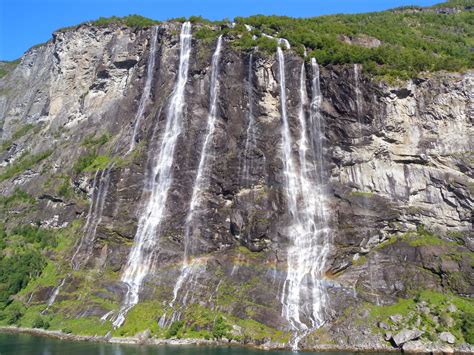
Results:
7 66
143 316
395 44
362 194
428 310
65 189
92 161
174 328
18 197
40 322
135 21
411 42
360 261
21 259
220 329
422 237
19 133
92 141
25 162
418 238
468 328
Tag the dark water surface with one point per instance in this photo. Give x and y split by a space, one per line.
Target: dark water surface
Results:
23 344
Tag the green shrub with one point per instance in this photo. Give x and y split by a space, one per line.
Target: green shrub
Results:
24 163
14 313
84 162
24 260
134 21
65 189
40 322
18 196
468 327
174 329
91 141
220 328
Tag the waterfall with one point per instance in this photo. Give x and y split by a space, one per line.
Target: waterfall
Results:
250 141
358 95
303 296
201 181
94 217
54 295
147 236
147 89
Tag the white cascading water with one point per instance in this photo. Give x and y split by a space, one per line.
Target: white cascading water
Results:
147 89
304 295
201 181
54 295
358 94
146 239
250 140
94 217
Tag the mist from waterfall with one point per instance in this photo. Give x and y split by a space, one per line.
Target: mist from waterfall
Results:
146 242
304 296
201 181
145 97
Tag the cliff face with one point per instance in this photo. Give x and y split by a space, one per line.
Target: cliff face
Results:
396 172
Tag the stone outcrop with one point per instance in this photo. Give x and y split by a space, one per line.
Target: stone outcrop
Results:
398 161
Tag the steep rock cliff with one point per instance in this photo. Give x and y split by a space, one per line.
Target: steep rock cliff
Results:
398 185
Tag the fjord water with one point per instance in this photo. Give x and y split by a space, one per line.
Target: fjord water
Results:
146 241
23 344
304 295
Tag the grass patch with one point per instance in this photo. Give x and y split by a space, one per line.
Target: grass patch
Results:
24 163
437 320
144 315
17 198
7 66
418 238
19 133
360 261
361 194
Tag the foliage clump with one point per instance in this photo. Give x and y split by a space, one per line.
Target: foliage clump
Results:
174 328
134 21
92 160
21 258
25 162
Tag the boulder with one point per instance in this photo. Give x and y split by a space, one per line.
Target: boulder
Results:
143 336
396 318
451 308
406 335
447 337
414 347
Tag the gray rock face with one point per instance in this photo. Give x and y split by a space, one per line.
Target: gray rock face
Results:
395 158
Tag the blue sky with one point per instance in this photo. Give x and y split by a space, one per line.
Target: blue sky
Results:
24 23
